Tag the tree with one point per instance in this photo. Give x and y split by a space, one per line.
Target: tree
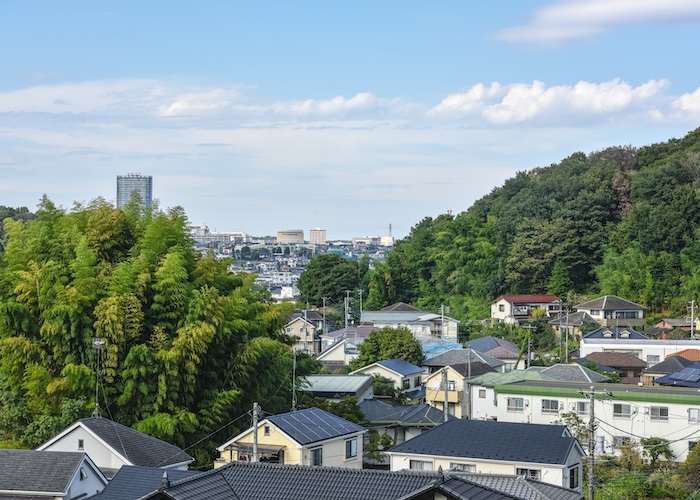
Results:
328 275
388 343
655 447
690 470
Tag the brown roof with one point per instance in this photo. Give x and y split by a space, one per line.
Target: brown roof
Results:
616 359
689 354
529 299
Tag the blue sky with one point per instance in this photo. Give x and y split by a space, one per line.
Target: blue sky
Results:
350 116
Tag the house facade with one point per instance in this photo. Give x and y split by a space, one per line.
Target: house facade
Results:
546 453
623 412
517 309
305 437
611 310
424 325
652 351
304 333
406 376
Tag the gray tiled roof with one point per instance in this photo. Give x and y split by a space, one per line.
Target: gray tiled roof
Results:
457 356
261 481
610 303
520 486
132 482
669 365
401 306
621 360
572 319
313 424
38 471
419 414
137 447
572 373
489 440
620 333
489 343
400 366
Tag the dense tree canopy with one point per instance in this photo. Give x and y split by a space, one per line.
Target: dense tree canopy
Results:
388 343
188 346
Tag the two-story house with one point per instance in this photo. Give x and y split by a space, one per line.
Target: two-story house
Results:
452 383
611 310
406 376
517 309
543 452
304 333
424 325
623 412
304 437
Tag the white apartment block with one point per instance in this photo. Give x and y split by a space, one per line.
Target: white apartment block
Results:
650 350
622 412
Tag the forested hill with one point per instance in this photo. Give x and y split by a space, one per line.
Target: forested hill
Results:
620 221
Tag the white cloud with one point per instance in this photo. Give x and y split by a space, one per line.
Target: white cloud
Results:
688 103
200 102
516 103
576 19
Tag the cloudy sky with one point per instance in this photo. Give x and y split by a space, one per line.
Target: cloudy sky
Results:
350 116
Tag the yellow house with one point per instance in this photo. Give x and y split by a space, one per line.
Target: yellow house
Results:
305 335
305 437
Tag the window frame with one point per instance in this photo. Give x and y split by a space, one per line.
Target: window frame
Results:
420 465
587 408
471 468
546 406
316 456
694 415
405 384
350 448
622 413
660 413
515 407
535 474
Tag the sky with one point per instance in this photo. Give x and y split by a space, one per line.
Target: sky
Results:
359 117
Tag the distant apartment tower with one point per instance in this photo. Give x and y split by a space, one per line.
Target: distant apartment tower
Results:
127 184
317 236
287 236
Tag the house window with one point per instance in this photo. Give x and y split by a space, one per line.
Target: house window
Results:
583 408
622 411
529 473
317 456
595 312
351 448
399 435
501 308
463 467
450 385
515 404
573 477
482 393
416 381
652 360
406 384
83 474
658 413
267 430
619 441
290 329
81 444
420 465
550 406
693 415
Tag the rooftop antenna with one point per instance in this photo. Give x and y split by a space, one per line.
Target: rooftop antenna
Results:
97 343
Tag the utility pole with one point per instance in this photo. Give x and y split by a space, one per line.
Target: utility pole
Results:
591 441
97 343
566 357
324 299
444 383
529 329
294 381
360 292
256 409
347 308
692 319
467 396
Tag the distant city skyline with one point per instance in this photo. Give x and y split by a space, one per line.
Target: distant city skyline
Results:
348 117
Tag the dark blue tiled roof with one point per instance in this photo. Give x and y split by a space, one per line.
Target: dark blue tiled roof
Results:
418 414
400 366
614 332
313 424
132 482
38 471
137 447
686 377
489 440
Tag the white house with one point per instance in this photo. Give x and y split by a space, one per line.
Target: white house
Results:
623 412
422 324
546 453
652 351
611 310
406 376
516 309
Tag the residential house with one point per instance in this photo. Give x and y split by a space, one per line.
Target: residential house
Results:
399 421
112 445
425 326
685 324
53 475
354 334
626 363
542 452
518 309
687 376
338 356
406 376
457 378
336 387
652 351
304 332
623 412
312 316
132 482
570 322
304 437
482 388
461 356
611 310
689 354
502 349
666 367
263 481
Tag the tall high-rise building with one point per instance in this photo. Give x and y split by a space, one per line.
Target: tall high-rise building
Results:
127 184
317 236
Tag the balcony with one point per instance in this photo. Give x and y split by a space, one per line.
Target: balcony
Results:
439 395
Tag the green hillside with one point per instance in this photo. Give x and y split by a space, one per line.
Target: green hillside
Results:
620 221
